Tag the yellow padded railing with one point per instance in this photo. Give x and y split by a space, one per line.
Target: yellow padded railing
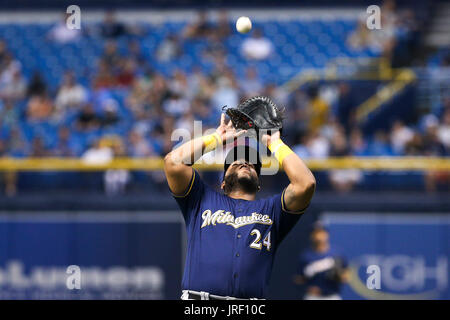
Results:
156 164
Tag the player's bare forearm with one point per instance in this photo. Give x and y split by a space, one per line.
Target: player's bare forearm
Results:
177 164
186 154
302 185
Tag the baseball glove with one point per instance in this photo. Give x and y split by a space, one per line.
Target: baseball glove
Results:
256 113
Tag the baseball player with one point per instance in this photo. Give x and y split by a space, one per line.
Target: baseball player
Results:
232 236
321 269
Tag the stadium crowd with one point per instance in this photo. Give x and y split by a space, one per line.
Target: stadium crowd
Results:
90 121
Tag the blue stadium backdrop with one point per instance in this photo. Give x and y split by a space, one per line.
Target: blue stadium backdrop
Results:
121 256
411 250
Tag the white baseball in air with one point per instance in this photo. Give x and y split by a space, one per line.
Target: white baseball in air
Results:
243 25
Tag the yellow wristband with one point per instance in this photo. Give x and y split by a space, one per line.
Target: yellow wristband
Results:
280 150
211 141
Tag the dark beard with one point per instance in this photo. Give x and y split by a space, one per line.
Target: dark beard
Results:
246 184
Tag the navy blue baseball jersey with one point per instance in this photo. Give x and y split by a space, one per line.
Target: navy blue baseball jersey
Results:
315 268
231 242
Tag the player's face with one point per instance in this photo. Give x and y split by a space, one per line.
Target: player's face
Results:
243 169
241 174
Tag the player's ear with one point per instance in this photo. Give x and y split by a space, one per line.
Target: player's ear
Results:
222 185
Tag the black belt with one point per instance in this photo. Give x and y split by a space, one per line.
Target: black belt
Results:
196 296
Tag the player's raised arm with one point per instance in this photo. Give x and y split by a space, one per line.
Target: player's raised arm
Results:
299 192
178 162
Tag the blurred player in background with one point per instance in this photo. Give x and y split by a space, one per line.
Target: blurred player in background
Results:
321 269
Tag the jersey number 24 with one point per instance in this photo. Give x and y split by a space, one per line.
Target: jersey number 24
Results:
256 244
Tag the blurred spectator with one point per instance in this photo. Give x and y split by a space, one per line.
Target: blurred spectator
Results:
251 84
17 144
318 146
339 146
318 109
195 79
9 115
359 39
257 47
345 106
3 53
415 146
111 56
222 28
135 54
379 145
38 148
37 85
98 153
104 77
61 34
200 28
204 113
176 105
215 49
226 94
137 100
70 95
13 89
186 122
39 108
87 118
65 145
9 69
407 37
110 27
110 115
115 180
169 49
379 41
178 83
3 151
400 136
342 180
296 113
126 72
443 132
432 145
138 146
159 141
358 146
331 129
300 148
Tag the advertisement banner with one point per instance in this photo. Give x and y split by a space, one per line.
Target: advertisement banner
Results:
112 255
393 256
